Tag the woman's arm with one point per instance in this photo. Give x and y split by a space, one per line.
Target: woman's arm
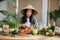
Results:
36 23
23 25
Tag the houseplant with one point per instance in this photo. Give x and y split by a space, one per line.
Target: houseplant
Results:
54 15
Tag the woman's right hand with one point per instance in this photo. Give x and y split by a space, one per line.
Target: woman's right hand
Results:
23 25
31 28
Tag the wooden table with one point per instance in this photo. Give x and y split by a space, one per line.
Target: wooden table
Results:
30 37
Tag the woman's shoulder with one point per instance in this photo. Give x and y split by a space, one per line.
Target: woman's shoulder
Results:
34 18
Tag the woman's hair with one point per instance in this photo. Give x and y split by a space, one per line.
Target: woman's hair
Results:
24 18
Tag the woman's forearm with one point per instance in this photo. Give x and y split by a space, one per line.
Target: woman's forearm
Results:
23 25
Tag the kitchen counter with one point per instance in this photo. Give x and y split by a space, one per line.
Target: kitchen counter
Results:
30 37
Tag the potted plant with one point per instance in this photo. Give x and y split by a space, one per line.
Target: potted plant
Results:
54 15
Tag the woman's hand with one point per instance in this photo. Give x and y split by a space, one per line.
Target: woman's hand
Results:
23 25
31 28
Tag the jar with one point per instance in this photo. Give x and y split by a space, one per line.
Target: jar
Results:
56 29
5 29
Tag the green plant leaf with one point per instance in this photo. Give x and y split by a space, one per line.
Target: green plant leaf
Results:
11 2
10 19
13 24
54 14
1 0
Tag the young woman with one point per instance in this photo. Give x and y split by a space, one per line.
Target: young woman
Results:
28 19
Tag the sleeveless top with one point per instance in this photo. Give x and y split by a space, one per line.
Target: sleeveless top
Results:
28 24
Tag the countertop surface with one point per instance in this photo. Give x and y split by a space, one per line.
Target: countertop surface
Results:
30 37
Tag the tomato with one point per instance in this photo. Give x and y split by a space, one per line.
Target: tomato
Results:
26 30
21 32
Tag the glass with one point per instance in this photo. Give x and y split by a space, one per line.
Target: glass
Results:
40 26
0 30
5 27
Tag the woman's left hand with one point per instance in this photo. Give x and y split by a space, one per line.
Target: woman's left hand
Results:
31 28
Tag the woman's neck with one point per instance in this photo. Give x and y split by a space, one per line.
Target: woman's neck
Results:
27 17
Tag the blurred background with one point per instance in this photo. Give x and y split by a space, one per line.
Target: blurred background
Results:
44 7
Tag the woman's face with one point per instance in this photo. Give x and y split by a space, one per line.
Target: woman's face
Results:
29 12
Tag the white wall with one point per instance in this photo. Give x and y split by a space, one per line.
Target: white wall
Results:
44 11
3 5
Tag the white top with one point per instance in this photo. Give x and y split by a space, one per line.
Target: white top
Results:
28 23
